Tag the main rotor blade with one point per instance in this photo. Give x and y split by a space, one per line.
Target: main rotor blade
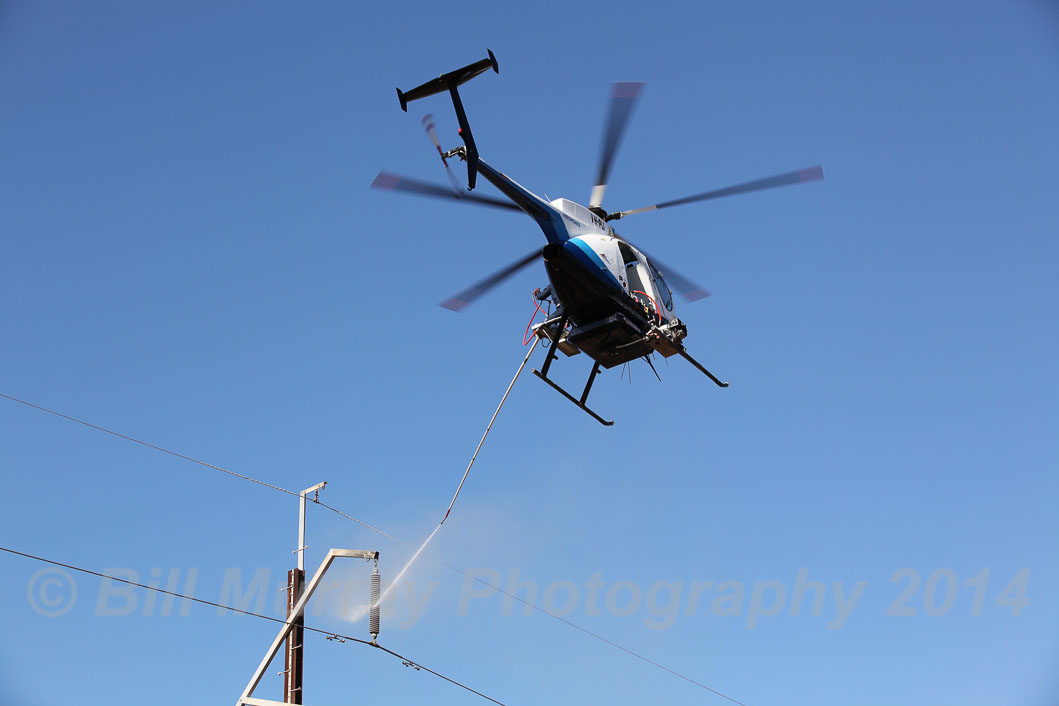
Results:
690 290
622 100
396 182
462 299
802 175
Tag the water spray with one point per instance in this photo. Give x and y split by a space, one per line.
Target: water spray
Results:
375 603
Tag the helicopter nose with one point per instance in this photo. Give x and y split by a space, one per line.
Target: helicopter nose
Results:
552 251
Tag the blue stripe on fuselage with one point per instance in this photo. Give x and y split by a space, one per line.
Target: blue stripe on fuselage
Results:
584 254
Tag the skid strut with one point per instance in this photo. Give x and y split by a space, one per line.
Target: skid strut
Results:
543 375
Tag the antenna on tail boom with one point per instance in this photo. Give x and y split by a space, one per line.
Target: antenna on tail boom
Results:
449 82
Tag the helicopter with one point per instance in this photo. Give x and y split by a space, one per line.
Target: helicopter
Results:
612 301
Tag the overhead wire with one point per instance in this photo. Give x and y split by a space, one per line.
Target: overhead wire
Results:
382 533
437 674
328 633
148 445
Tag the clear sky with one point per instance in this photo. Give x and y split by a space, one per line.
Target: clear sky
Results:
191 256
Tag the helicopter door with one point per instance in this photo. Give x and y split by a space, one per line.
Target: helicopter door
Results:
636 274
632 270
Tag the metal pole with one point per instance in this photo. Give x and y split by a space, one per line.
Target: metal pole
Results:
293 658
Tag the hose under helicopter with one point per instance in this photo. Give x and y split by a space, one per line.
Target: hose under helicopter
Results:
466 473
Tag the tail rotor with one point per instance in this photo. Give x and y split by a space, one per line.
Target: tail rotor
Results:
432 134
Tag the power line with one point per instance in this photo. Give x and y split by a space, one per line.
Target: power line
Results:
150 446
328 633
381 533
418 666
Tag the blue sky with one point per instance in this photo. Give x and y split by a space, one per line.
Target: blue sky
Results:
191 256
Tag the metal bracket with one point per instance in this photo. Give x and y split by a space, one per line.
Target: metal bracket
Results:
300 551
298 611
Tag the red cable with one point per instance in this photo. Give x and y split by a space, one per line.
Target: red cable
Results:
658 311
525 336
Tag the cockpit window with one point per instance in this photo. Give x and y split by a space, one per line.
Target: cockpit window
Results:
627 254
667 295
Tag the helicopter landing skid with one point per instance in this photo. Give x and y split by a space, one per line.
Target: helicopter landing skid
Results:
697 364
580 403
543 375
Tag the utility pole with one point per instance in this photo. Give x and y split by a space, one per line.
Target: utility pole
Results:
292 662
293 651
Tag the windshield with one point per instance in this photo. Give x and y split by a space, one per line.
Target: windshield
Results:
663 288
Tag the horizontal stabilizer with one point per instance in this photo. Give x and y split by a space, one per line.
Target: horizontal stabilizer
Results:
446 81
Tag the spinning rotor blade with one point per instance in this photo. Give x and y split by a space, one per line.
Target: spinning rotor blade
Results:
622 100
396 182
462 299
432 133
810 174
691 291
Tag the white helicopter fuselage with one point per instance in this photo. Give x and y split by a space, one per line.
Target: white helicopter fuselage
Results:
598 247
587 262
